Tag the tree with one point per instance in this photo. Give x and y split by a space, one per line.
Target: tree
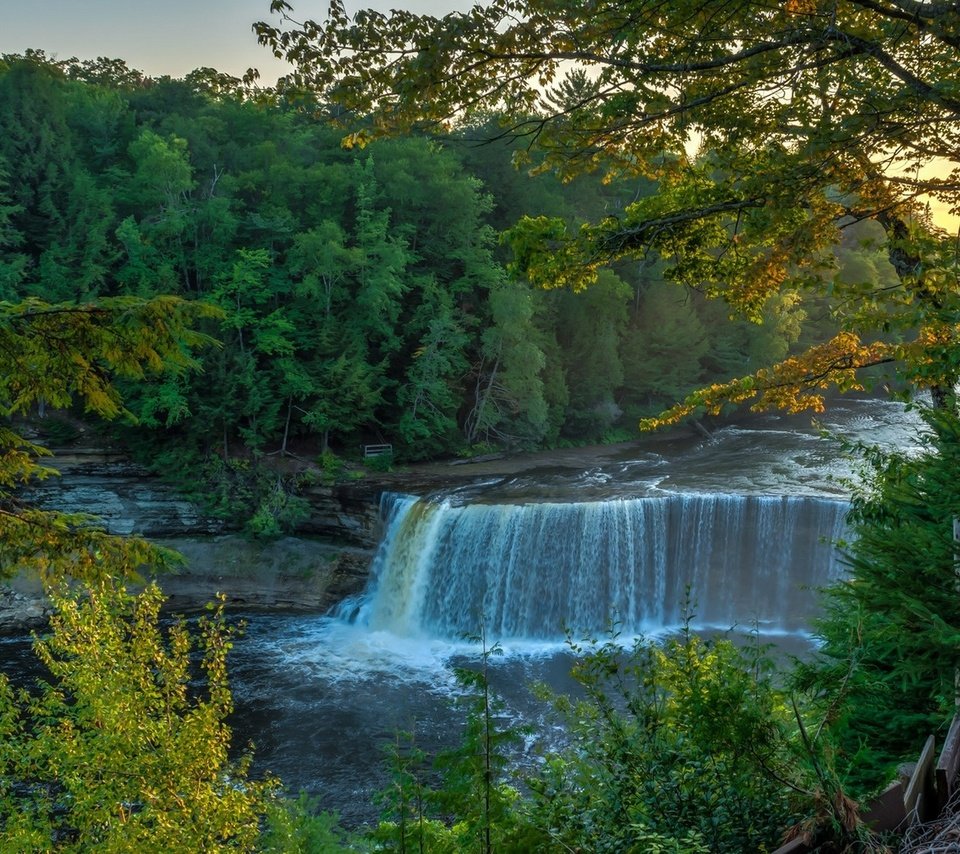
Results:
431 393
37 142
663 348
509 402
804 111
57 352
261 335
890 630
13 265
681 744
119 750
590 327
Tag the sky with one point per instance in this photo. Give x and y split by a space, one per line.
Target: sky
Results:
164 36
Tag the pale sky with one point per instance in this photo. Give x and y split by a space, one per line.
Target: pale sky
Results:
165 36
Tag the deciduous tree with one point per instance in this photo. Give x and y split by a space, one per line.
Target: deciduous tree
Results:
803 111
54 353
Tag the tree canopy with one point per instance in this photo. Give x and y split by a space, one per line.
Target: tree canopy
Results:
767 128
362 295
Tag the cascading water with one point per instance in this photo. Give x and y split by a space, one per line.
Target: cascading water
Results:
530 571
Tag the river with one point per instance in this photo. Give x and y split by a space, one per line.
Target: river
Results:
744 520
737 529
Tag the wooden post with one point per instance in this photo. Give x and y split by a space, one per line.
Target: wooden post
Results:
948 764
920 795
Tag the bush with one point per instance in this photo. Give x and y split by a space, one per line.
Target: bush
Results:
380 462
126 748
299 827
679 747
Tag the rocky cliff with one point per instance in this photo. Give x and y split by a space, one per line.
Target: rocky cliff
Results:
329 559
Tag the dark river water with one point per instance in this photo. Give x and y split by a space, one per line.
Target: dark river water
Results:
744 521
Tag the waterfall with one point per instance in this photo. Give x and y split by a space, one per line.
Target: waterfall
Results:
533 570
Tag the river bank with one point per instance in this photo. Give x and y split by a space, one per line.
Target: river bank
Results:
327 560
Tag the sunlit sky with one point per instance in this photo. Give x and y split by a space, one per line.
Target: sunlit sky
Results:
175 36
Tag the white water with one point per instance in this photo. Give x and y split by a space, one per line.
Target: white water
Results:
742 519
530 571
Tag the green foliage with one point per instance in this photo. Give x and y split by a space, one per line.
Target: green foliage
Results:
684 745
753 214
277 513
459 801
380 462
890 631
298 827
360 292
125 745
332 467
663 349
118 752
248 490
473 773
405 824
50 354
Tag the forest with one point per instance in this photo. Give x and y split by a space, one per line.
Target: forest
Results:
221 278
364 295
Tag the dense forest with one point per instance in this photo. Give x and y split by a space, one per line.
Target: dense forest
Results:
215 258
363 294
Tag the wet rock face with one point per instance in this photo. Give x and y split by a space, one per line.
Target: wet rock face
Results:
304 573
289 574
342 513
21 611
126 498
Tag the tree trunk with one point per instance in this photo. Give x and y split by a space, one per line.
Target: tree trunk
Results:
286 427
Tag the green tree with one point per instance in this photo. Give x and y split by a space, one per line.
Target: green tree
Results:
382 259
663 348
685 744
53 353
473 788
347 393
508 398
805 111
431 394
13 264
161 187
889 634
117 752
260 332
76 263
590 326
37 141
460 801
